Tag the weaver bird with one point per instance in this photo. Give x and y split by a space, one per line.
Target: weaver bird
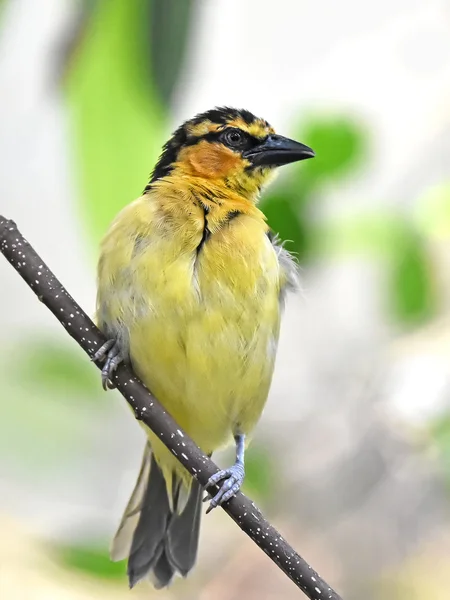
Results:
190 287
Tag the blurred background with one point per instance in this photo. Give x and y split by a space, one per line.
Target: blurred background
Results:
352 457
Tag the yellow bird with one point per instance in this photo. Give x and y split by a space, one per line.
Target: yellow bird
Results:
190 289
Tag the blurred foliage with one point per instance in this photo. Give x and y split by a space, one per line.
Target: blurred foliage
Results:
260 476
114 93
340 144
433 212
54 367
91 560
378 234
413 294
43 433
341 147
57 389
170 28
116 117
440 436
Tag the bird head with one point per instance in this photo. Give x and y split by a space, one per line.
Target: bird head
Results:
228 148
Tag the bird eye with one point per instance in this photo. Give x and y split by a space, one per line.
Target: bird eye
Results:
234 138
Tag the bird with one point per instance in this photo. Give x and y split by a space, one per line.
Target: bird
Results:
191 286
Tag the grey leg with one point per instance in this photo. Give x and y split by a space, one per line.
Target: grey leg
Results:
233 477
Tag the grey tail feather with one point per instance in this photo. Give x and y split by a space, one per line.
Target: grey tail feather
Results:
164 542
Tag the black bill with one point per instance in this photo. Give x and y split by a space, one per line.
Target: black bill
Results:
277 150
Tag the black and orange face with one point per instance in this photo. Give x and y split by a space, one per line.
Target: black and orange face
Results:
230 147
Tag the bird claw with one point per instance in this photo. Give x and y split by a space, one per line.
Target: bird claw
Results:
111 353
234 477
103 351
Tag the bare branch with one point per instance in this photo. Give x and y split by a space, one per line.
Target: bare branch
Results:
147 409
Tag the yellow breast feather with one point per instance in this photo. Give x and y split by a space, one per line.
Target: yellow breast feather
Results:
201 326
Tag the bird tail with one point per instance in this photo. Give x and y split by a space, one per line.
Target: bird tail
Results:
159 538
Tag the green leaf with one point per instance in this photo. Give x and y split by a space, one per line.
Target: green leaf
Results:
91 560
54 367
117 122
376 235
260 479
340 144
284 219
413 294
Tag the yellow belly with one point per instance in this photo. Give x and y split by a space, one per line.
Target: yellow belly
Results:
202 330
207 352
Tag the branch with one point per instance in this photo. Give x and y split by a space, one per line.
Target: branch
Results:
147 409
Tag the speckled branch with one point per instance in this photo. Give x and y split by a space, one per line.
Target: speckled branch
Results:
147 409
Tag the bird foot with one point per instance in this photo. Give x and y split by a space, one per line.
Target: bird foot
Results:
111 353
233 479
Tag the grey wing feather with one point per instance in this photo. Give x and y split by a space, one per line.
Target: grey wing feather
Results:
183 532
121 544
162 573
149 536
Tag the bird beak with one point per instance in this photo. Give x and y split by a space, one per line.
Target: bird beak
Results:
277 150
